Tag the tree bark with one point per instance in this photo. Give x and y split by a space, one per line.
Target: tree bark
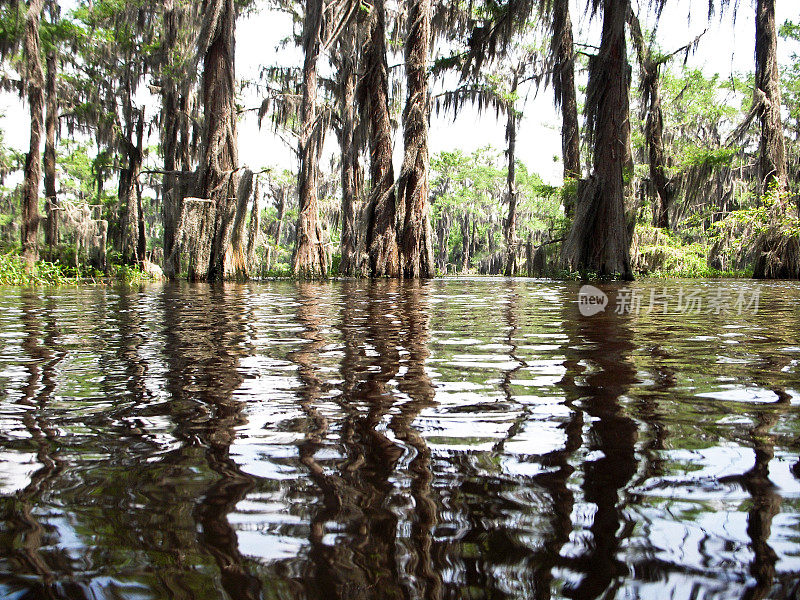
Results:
566 96
141 240
348 264
772 148
474 242
415 235
384 254
654 124
281 214
237 265
778 250
170 196
51 119
195 235
442 231
465 243
33 162
218 177
279 229
599 241
132 222
310 260
654 135
511 185
254 227
529 255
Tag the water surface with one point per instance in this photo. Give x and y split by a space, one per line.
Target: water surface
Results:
453 439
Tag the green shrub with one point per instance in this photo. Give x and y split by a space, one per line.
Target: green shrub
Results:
13 271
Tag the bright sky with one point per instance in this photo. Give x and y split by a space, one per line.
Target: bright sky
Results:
724 49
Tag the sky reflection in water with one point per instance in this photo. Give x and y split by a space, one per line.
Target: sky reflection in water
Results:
454 439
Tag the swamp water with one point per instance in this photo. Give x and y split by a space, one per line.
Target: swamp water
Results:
470 438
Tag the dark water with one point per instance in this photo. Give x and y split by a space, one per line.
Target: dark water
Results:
457 439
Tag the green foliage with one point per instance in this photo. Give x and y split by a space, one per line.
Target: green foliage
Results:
662 254
13 271
790 31
465 187
61 269
12 25
471 191
697 95
79 172
539 204
694 270
758 219
53 34
336 260
129 274
696 156
790 82
697 109
280 271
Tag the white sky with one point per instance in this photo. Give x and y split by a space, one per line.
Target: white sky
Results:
724 49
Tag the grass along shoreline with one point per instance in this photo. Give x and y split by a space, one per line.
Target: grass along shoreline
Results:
14 272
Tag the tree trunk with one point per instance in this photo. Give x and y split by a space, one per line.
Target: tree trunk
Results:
254 229
170 197
237 265
474 242
654 124
778 255
511 184
141 240
465 245
218 178
348 264
33 162
51 119
566 96
529 255
195 235
281 214
599 241
99 172
442 231
310 259
772 149
381 240
279 229
415 235
654 136
132 220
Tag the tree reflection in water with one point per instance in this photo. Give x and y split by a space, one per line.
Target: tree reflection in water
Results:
389 439
552 482
602 346
202 378
425 579
358 495
765 497
24 544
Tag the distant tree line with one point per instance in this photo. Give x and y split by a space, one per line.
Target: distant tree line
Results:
662 152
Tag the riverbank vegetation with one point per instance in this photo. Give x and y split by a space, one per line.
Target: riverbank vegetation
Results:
668 170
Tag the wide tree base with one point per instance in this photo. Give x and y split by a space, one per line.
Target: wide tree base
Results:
310 261
384 255
778 255
598 244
